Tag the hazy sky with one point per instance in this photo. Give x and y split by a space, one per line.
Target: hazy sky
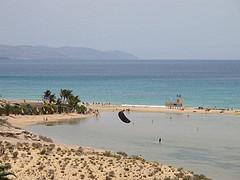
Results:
160 29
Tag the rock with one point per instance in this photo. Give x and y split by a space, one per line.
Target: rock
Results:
2 150
43 151
108 178
51 174
112 174
51 147
122 153
46 139
79 151
126 169
15 154
82 176
41 167
37 145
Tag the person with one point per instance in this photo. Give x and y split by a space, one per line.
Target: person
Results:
160 140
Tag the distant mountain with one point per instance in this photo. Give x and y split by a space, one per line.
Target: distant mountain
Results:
44 52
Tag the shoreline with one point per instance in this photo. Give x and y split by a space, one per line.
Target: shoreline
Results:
36 154
26 120
163 109
22 121
35 157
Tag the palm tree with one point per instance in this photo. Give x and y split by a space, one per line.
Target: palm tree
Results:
81 109
7 109
16 109
36 110
62 94
52 98
66 103
65 94
28 109
68 93
73 102
59 105
46 95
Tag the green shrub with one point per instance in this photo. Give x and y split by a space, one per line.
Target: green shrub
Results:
81 109
4 172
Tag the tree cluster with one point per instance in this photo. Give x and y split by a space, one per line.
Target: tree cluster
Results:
67 102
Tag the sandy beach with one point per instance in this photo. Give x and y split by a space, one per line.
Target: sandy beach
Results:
120 90
138 108
163 109
37 157
26 120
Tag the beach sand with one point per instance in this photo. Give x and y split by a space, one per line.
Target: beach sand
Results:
37 157
144 108
26 120
163 109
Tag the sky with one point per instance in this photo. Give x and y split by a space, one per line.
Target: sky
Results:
150 29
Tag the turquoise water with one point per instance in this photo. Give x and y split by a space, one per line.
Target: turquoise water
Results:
207 144
201 83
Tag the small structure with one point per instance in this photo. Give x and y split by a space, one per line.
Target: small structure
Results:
178 104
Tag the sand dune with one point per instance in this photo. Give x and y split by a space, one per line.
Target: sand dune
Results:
37 157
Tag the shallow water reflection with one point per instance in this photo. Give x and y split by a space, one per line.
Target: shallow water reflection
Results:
207 144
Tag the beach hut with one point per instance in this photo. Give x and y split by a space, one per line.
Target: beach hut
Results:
179 102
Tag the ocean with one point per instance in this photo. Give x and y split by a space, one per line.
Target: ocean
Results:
147 82
207 144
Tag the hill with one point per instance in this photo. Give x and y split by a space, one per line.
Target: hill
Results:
44 52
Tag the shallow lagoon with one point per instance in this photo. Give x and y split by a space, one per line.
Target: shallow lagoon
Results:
207 144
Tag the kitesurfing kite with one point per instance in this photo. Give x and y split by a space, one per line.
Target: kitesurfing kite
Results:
122 116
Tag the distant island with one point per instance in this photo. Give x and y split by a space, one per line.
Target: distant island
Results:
44 52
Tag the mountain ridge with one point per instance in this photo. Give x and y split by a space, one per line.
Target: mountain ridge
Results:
65 52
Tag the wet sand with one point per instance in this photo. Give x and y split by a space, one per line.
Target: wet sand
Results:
26 120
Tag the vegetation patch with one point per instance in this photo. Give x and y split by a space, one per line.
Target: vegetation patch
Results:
67 102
